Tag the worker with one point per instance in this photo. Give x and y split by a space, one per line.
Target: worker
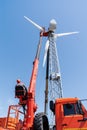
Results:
20 89
21 93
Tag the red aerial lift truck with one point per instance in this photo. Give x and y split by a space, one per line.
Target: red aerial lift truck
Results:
27 101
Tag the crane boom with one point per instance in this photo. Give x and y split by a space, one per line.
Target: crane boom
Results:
31 105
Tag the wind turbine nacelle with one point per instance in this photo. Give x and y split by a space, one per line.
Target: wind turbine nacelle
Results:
52 25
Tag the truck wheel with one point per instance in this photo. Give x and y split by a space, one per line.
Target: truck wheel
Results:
41 122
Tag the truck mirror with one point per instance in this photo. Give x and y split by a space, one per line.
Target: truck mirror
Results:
80 107
52 106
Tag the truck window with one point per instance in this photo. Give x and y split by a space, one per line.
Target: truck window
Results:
71 109
68 109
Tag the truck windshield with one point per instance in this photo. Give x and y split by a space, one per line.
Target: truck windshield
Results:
72 109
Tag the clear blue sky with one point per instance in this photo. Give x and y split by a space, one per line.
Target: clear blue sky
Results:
19 39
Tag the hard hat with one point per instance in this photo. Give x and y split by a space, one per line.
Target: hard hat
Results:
18 80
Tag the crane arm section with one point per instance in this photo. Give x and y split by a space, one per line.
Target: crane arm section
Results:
31 105
35 70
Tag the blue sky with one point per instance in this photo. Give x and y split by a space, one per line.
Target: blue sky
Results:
19 39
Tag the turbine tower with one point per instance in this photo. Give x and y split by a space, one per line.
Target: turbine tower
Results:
53 88
55 83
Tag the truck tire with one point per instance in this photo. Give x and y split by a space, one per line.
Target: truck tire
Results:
41 122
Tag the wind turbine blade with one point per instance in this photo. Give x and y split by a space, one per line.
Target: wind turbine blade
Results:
64 34
36 25
46 50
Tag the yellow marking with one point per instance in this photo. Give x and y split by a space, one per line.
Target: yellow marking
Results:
75 129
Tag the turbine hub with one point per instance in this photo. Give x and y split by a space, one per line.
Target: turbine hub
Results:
52 25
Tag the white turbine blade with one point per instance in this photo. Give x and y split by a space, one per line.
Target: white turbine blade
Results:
64 34
36 25
46 50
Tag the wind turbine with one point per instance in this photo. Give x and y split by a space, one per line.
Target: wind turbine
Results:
51 30
53 76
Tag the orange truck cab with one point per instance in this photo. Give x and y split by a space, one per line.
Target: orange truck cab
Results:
70 114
